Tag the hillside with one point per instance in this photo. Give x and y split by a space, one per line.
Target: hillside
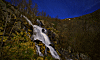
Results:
80 33
77 38
15 44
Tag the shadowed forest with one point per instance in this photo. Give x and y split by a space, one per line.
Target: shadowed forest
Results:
73 38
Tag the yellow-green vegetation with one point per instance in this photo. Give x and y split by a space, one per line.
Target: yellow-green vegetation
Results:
16 43
19 47
1 28
22 48
1 33
82 34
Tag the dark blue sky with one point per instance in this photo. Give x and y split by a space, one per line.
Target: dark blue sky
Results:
67 8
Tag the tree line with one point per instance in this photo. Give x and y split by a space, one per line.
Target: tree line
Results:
28 8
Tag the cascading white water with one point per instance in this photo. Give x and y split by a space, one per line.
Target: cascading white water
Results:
38 50
39 33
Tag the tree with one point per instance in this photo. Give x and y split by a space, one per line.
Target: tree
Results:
35 9
29 7
43 14
15 2
48 16
21 5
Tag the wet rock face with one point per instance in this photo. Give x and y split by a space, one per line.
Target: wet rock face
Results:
39 23
43 30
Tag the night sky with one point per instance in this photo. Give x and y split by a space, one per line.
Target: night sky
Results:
67 8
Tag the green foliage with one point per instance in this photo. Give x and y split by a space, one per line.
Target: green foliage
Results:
81 33
19 47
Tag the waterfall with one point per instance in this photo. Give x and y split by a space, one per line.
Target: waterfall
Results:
39 33
38 50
